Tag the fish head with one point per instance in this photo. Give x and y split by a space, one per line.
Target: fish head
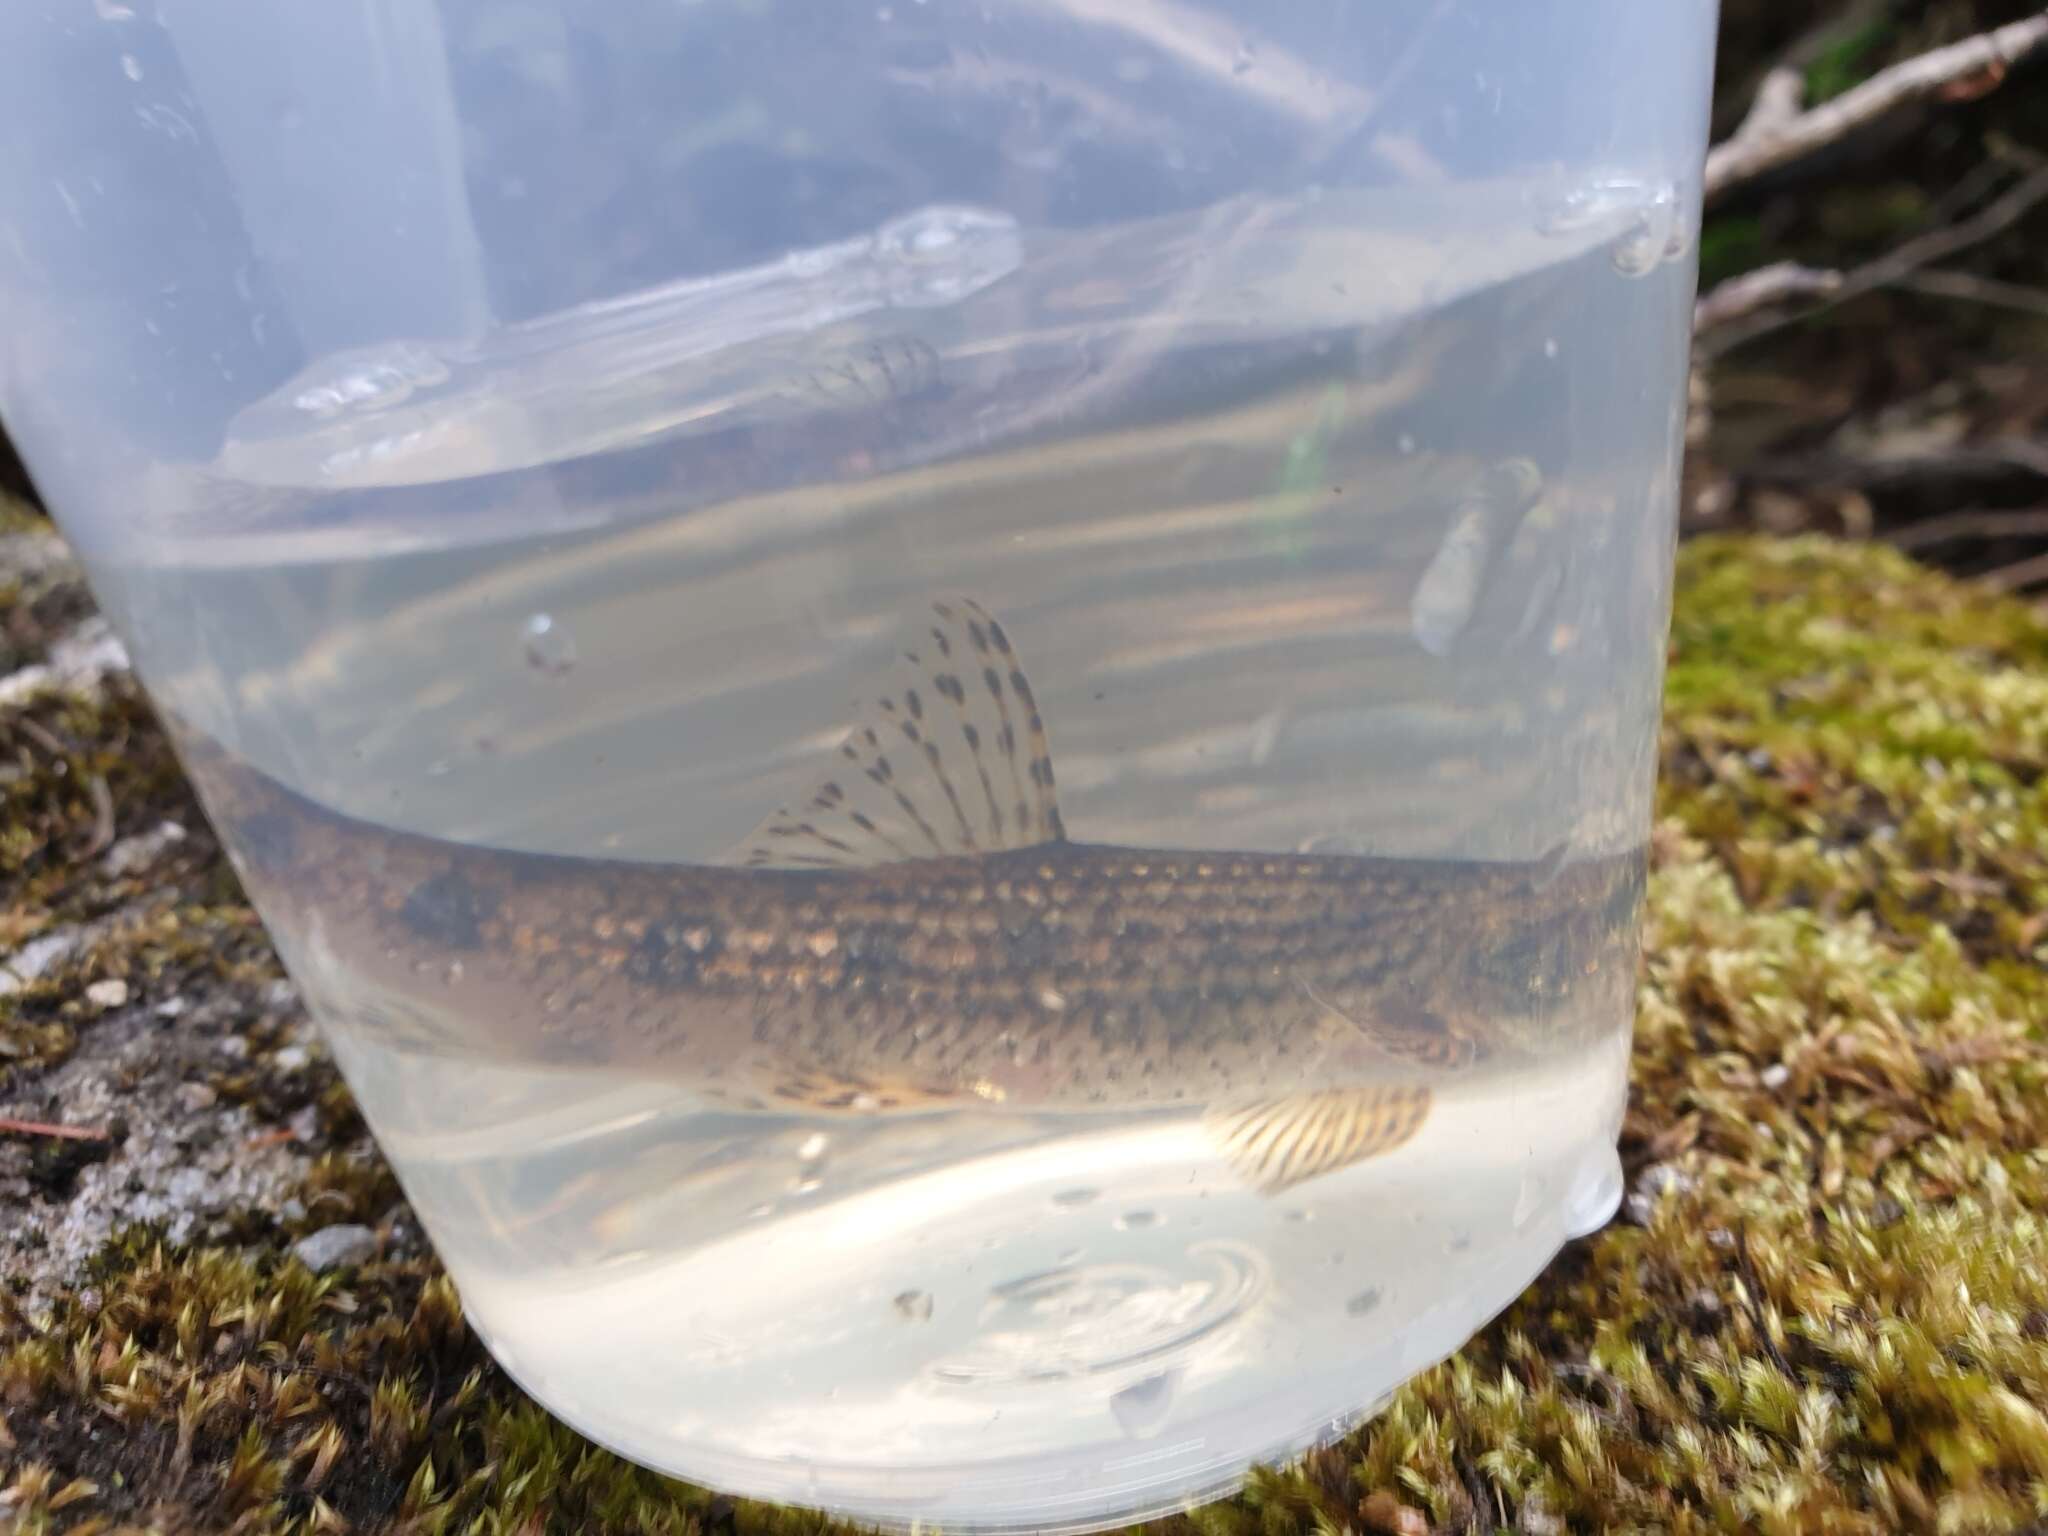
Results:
1548 966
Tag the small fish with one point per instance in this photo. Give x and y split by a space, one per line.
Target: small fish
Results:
921 932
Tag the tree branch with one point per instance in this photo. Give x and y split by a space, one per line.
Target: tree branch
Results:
1972 289
1997 460
1779 100
1771 136
12 1127
1994 218
2018 576
1954 527
1763 288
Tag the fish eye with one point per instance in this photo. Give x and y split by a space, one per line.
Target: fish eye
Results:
1532 961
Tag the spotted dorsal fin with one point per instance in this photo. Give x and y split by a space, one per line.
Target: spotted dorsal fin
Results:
949 757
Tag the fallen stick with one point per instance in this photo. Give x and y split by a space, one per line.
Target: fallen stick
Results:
1772 135
1745 323
1762 288
2018 576
1954 527
13 1127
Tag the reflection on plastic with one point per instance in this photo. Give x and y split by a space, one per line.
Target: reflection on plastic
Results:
1000 328
379 415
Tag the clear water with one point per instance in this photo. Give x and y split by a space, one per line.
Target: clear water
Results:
1351 535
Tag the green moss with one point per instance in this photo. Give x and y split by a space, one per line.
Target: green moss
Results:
1833 1318
77 773
81 768
1845 62
1851 735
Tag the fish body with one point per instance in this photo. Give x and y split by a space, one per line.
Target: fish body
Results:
922 932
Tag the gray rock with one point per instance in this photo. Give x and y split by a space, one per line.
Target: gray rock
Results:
38 956
335 1248
188 1163
196 1097
111 993
77 663
1652 1184
132 854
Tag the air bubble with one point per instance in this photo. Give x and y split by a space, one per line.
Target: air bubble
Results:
1654 226
941 255
1637 252
1599 200
1684 230
1137 1221
1074 1199
1595 1195
372 380
810 1173
1448 588
549 647
1363 1302
1658 235
1141 1410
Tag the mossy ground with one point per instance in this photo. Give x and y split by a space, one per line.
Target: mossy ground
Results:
1825 1308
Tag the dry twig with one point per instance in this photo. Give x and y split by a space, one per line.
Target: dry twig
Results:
102 835
13 1127
2017 577
1972 289
1991 220
2021 523
1764 288
1778 102
1771 136
1996 459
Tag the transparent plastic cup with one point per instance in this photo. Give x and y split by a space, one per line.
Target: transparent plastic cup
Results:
949 706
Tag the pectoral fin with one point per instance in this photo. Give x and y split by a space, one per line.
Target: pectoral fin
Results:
1405 1033
1275 1144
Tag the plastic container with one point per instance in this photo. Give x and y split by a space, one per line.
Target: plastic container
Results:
950 706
